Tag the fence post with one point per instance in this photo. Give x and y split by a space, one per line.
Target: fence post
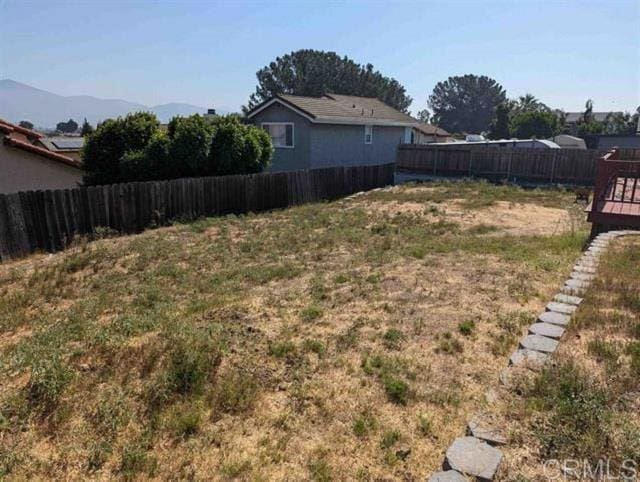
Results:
435 161
553 165
509 164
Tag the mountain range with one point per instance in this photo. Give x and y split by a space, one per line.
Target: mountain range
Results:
44 109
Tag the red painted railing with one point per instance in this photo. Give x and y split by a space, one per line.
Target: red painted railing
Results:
616 200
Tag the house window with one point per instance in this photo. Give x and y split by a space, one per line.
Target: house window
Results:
281 133
368 134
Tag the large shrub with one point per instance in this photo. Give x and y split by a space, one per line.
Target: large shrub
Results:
134 148
238 148
105 149
190 143
540 125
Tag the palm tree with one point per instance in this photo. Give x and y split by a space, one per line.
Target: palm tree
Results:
529 103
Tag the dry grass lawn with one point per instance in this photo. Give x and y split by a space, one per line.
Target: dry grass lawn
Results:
334 341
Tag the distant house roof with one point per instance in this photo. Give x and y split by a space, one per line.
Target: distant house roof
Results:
63 143
21 138
502 143
573 117
341 109
605 143
431 130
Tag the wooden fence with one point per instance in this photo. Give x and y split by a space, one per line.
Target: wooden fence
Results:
565 166
50 220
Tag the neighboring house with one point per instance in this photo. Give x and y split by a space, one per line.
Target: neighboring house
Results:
571 119
26 166
510 143
427 133
70 146
333 130
565 141
605 142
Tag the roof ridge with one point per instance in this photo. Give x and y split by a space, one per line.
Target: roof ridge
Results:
20 129
41 151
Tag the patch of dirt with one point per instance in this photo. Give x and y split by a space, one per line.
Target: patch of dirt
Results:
519 219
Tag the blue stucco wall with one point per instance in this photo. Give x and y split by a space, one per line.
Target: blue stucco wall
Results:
288 159
329 145
343 145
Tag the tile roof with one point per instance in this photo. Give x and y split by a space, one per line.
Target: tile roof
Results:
342 109
431 130
19 137
8 127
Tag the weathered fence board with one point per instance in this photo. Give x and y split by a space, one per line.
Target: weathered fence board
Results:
567 166
50 220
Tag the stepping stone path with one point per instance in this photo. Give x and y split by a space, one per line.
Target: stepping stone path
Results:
539 343
568 299
483 429
528 358
554 318
563 308
472 456
448 476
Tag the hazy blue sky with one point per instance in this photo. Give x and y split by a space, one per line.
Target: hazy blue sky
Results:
207 52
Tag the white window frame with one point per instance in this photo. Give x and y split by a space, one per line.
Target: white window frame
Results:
370 127
293 133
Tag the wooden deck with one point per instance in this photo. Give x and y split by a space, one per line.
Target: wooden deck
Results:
616 201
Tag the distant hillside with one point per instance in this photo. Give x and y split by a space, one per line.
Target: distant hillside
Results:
45 109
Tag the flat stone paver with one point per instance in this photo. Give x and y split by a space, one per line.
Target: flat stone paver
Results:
539 343
563 308
546 329
480 427
582 276
471 456
568 299
528 358
577 285
554 318
569 290
447 476
584 269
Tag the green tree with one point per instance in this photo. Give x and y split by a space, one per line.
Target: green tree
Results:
104 149
466 103
538 124
621 124
315 73
68 127
238 148
529 103
424 116
190 142
499 128
26 124
86 128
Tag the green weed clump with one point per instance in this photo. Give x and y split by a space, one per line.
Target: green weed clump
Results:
391 372
235 392
578 411
49 377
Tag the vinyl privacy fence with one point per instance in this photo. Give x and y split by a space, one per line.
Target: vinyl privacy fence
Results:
566 166
50 220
